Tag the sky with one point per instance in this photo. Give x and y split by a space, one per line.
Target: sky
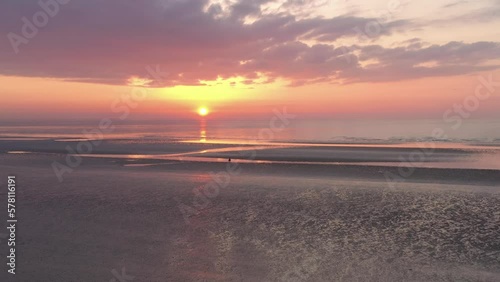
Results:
396 59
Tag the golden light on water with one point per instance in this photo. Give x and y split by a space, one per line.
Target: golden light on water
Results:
203 130
203 111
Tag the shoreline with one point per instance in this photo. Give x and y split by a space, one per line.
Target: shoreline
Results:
269 220
378 173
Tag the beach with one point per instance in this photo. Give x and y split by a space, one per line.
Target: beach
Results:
180 211
250 140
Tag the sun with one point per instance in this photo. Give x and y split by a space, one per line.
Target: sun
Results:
203 111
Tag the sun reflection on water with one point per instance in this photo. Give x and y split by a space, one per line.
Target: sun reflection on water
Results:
203 130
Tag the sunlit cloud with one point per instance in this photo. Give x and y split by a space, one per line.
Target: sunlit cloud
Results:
246 43
138 81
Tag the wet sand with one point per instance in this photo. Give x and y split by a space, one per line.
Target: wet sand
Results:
273 221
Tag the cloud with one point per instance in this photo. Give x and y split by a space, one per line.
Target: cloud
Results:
110 41
415 61
488 11
456 3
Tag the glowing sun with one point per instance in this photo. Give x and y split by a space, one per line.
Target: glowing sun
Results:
203 111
